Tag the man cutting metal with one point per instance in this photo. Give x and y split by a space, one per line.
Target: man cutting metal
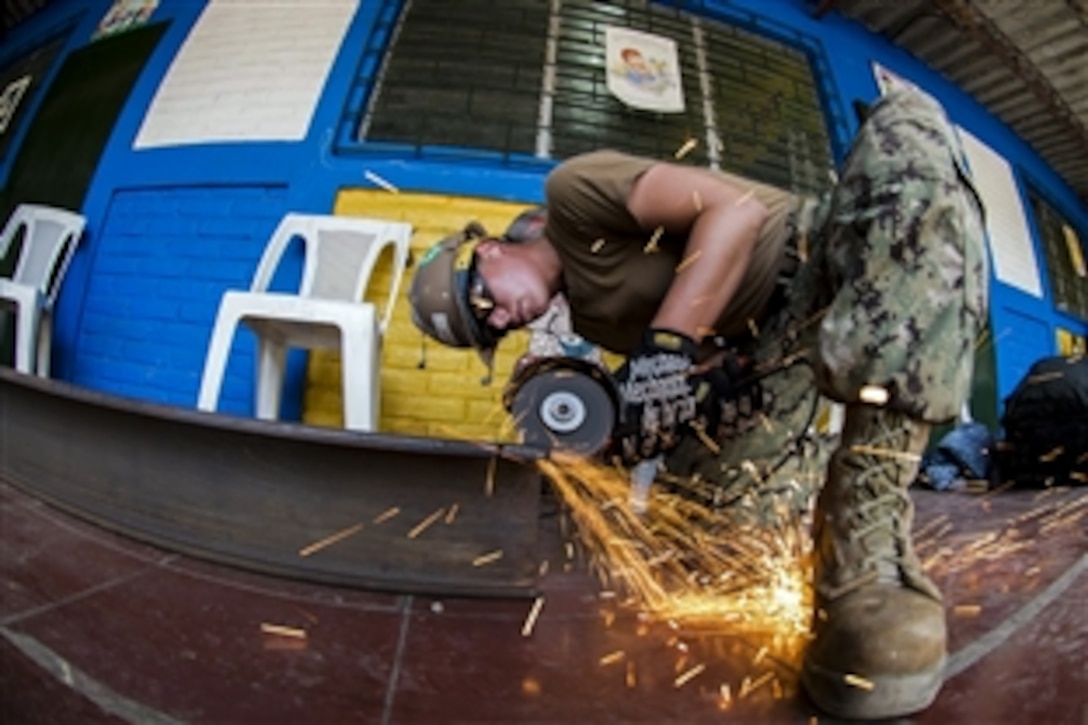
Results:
737 305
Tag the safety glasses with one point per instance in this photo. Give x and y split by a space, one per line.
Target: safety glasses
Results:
480 298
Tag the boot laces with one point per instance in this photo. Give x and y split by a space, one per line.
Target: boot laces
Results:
876 530
877 524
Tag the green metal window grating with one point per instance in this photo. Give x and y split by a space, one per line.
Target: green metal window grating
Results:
524 80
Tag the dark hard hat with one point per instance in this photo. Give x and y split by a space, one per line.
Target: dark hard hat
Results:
439 293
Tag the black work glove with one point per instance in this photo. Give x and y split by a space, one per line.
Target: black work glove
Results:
657 395
729 395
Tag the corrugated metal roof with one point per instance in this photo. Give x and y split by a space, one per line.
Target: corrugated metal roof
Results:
1027 62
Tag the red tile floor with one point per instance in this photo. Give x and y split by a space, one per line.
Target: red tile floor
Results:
100 628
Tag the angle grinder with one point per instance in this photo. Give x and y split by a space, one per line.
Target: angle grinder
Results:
563 403
571 404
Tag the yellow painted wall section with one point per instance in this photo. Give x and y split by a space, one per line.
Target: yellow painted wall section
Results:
444 398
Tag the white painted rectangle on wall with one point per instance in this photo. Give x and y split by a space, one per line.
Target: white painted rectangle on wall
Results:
250 70
1011 245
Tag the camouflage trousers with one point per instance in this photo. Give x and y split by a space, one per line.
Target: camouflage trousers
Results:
890 295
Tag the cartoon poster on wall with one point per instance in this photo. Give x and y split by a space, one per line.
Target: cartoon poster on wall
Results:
643 70
124 15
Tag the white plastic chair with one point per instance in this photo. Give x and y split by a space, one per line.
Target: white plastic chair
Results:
50 238
328 312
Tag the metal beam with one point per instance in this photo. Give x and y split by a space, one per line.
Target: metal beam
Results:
254 494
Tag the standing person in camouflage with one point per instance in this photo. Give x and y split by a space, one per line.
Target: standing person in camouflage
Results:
872 298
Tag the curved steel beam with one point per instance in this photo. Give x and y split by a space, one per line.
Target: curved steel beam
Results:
257 494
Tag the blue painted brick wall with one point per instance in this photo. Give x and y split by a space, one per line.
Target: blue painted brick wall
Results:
164 258
1023 339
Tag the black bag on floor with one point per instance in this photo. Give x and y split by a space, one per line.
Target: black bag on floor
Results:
1046 426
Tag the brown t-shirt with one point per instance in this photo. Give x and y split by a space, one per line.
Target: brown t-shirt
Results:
613 285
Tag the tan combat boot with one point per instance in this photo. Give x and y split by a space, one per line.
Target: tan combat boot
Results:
879 646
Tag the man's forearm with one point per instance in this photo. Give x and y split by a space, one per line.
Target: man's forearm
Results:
722 222
716 258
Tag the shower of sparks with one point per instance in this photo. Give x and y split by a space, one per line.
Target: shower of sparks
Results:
700 300
379 181
612 657
859 682
489 484
977 485
686 564
452 513
748 686
967 610
982 338
689 675
386 515
1064 516
744 199
753 328
1052 455
426 523
530 620
705 439
752 470
886 453
990 341
485 559
281 631
686 148
651 246
934 528
1045 377
330 540
688 261
311 618
944 552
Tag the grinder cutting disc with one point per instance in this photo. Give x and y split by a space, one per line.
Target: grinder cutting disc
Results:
564 409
